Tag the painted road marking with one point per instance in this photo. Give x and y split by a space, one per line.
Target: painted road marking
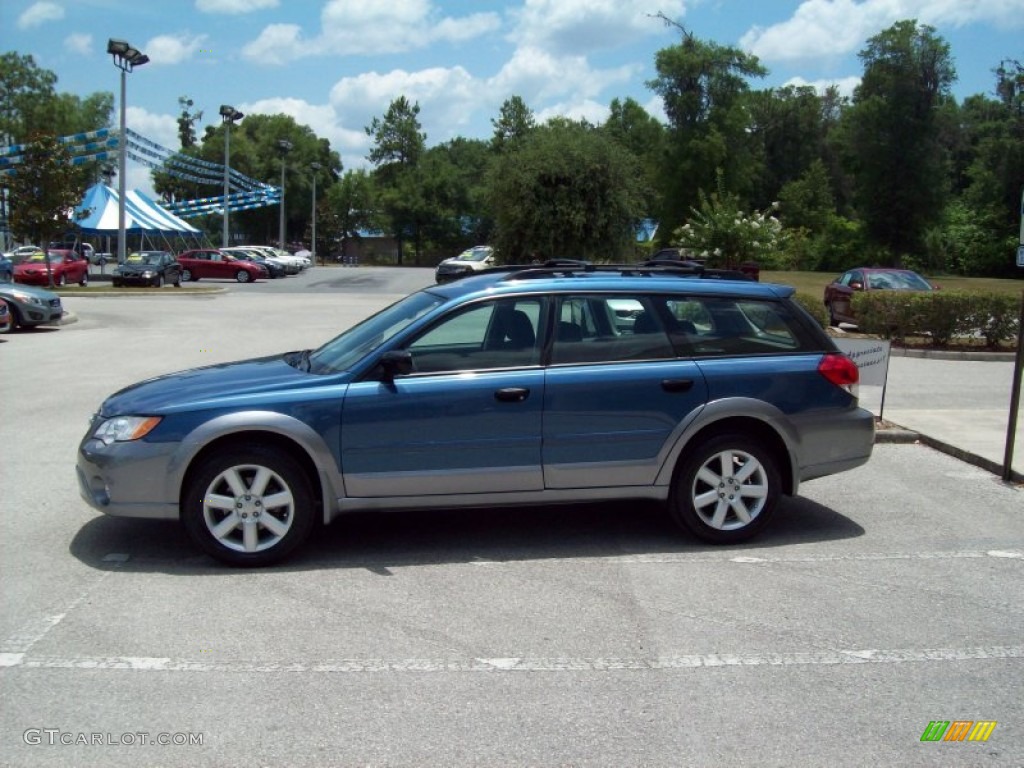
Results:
526 663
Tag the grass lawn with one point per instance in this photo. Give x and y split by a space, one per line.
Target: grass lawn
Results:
813 283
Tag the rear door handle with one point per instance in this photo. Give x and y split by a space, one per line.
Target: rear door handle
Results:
677 385
512 394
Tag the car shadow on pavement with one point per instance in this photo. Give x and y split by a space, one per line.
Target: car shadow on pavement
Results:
380 541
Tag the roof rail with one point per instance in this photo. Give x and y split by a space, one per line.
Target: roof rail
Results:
663 268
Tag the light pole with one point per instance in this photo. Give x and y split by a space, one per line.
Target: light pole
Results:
125 58
228 115
315 167
284 147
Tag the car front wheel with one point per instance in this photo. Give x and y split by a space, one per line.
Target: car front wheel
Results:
158 281
85 279
242 276
186 275
726 489
249 506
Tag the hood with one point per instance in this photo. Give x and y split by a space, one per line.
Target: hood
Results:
31 290
225 385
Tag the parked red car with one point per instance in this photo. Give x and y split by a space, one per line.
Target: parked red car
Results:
66 266
838 293
209 262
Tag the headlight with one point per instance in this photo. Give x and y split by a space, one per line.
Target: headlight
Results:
28 298
149 273
123 429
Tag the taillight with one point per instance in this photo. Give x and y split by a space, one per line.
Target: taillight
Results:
841 371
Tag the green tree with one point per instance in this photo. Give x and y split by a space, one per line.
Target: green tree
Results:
398 145
644 136
255 153
893 134
702 85
514 122
187 122
25 91
348 207
44 191
568 191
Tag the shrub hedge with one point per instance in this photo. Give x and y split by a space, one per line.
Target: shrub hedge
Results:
942 315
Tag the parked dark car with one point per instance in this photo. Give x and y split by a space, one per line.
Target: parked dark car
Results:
66 266
148 268
839 293
529 385
210 262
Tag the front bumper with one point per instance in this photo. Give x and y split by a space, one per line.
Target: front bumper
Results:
128 479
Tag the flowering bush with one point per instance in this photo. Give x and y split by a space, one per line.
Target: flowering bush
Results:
725 236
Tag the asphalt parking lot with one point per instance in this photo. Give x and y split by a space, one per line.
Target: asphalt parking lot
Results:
881 600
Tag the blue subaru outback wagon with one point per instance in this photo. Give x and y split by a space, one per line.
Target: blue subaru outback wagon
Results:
549 384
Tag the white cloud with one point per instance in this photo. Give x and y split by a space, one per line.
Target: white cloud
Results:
586 109
234 6
162 129
538 76
846 85
79 43
172 49
40 13
448 99
277 44
322 118
832 28
579 26
356 27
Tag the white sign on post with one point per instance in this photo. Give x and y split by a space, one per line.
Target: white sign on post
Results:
871 357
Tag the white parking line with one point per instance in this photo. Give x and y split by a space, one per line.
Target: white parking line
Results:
529 664
683 558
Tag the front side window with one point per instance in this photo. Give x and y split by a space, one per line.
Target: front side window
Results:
494 334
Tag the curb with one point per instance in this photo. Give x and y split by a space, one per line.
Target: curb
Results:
945 354
902 435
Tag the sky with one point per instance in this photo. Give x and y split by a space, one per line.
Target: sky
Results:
334 65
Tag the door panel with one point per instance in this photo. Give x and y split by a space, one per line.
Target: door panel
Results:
443 434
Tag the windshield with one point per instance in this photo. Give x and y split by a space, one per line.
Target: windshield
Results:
474 254
343 351
143 258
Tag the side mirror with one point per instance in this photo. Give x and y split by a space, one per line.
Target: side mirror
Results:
396 362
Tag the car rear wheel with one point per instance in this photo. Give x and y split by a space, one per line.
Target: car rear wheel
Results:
186 275
85 279
242 276
249 506
832 316
726 489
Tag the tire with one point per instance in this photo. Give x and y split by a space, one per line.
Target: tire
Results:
186 275
831 317
725 504
85 279
242 276
62 280
177 280
225 508
158 281
12 322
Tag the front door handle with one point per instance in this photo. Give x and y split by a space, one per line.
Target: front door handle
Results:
512 394
677 385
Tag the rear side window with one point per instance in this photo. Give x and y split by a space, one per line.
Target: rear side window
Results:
714 326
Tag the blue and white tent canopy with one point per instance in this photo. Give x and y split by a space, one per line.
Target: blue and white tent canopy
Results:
141 214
